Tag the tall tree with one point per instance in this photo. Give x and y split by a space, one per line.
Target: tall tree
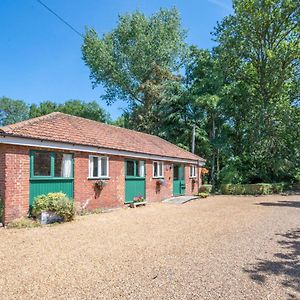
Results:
259 50
12 111
138 61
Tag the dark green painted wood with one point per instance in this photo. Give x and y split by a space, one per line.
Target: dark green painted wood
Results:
45 186
178 180
134 185
49 184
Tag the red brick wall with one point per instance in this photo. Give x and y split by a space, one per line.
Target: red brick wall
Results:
2 170
16 180
154 192
112 194
191 184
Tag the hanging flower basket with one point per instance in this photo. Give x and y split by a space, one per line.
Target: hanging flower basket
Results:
160 182
100 184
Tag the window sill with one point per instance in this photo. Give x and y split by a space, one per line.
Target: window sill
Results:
158 177
99 178
50 178
193 177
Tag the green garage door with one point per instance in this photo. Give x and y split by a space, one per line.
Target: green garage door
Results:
134 179
51 172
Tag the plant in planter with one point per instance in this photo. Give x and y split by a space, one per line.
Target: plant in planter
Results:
53 207
139 198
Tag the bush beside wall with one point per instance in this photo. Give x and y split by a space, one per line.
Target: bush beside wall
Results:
252 189
205 188
57 203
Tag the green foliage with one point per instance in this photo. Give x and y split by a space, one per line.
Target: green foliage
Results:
252 189
203 195
137 62
1 210
89 110
58 203
205 188
258 53
22 223
12 111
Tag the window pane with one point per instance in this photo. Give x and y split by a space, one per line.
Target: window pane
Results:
155 169
104 166
95 166
58 164
176 172
130 168
160 173
63 165
42 164
141 169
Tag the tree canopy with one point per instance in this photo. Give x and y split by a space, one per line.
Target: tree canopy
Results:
243 96
12 111
138 61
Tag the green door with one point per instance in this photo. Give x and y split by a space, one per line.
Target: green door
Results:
178 180
134 179
51 172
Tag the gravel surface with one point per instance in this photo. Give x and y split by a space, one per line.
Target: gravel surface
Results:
215 248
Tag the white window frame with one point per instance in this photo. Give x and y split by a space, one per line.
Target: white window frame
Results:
193 172
162 169
91 167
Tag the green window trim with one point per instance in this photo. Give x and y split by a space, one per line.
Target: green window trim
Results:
52 166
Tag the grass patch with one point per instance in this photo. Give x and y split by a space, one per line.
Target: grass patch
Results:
23 223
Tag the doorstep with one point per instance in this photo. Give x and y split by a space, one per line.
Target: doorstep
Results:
180 199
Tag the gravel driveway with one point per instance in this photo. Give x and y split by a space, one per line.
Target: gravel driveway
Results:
215 248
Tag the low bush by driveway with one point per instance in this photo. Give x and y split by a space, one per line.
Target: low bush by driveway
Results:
222 247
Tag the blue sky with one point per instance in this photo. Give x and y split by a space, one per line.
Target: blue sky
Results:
40 57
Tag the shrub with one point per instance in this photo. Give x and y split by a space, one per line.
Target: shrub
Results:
57 203
1 209
205 188
203 195
252 189
23 223
278 187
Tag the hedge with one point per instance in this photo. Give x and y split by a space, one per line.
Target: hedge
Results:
252 189
205 188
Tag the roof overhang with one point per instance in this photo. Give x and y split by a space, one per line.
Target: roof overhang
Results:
12 140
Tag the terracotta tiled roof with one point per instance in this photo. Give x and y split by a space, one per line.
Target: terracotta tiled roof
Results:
65 128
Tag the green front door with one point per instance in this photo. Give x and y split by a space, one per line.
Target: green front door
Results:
134 179
50 172
178 180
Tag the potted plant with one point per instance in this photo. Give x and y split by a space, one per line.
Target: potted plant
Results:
138 198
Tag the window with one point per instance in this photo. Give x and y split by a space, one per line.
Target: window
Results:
98 166
193 171
51 164
135 168
42 164
158 169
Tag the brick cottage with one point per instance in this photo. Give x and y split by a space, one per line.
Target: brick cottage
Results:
59 152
